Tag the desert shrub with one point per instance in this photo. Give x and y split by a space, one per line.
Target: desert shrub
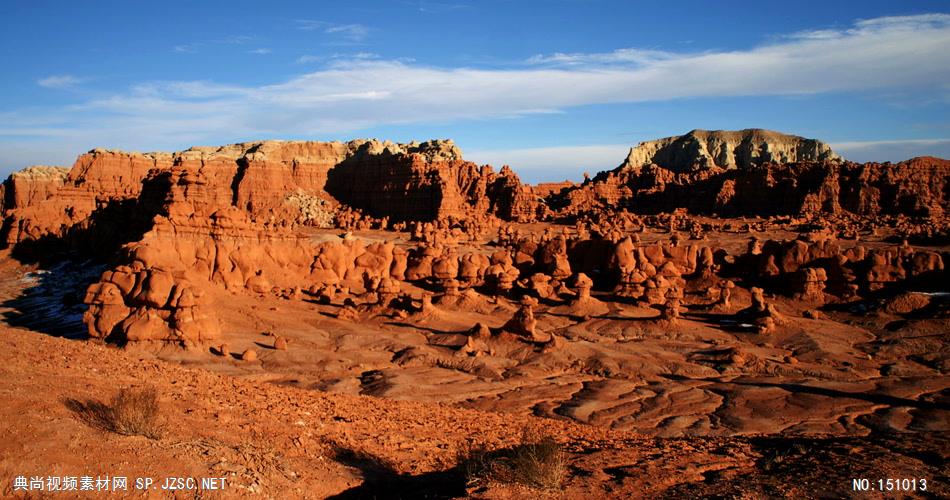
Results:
131 412
537 461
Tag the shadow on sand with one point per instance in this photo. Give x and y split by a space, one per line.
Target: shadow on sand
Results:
381 480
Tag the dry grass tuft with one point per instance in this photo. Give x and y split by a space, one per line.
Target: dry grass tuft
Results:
131 412
537 461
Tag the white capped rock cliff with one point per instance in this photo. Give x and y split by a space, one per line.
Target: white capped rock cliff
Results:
729 149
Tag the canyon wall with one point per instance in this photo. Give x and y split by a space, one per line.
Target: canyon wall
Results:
916 187
272 181
305 182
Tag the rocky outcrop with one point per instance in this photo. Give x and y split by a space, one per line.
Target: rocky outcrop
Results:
368 182
284 182
423 182
916 187
184 230
31 185
728 149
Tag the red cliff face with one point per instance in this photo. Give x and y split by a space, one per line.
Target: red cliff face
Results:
298 181
270 181
97 179
106 193
31 185
916 187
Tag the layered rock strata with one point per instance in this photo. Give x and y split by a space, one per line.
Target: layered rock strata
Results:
727 149
273 181
917 187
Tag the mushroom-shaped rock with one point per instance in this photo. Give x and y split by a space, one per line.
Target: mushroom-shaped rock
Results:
583 306
583 284
450 287
426 308
670 311
540 284
445 267
726 292
759 310
501 277
472 267
523 323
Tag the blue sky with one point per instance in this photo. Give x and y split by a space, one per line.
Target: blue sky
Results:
552 88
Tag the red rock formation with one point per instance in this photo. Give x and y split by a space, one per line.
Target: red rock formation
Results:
183 228
914 187
272 181
31 185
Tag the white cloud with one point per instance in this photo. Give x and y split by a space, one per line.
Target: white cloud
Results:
619 56
192 48
357 92
338 57
304 59
234 40
59 81
310 25
438 7
875 55
261 51
353 33
362 55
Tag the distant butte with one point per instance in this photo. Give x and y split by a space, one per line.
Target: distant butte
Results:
729 149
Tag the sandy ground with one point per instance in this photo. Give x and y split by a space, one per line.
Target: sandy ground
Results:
288 442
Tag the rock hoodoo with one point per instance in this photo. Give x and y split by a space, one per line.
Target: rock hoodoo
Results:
180 229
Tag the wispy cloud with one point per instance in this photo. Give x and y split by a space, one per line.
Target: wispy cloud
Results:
352 33
855 145
892 150
261 51
234 40
337 57
437 7
356 93
308 58
192 48
311 25
60 81
616 57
